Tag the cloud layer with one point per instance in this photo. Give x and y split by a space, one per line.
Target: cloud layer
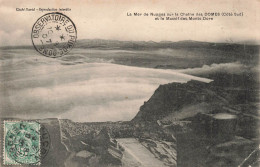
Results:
40 87
230 68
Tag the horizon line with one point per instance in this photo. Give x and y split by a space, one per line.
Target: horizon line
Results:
246 42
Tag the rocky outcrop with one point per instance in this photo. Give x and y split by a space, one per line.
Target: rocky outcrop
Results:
193 103
56 152
91 145
171 98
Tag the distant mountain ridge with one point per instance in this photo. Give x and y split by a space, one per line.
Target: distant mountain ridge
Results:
187 44
116 44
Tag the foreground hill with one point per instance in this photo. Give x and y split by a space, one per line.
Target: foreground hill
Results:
187 111
181 101
171 126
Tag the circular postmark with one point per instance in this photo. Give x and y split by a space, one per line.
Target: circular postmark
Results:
22 142
45 141
54 34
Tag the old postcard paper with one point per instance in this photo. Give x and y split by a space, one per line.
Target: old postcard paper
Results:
127 83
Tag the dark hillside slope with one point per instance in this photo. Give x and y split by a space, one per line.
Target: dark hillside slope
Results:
185 111
183 101
172 97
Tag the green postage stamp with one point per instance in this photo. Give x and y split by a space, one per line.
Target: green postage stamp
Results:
21 142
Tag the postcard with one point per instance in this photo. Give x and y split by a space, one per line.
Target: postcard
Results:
98 83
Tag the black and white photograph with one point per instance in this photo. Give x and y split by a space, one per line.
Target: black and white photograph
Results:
97 83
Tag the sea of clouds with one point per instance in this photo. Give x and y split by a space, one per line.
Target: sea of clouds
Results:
40 87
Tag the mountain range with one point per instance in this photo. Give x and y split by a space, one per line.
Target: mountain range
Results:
116 44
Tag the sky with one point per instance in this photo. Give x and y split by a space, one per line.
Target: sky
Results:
105 19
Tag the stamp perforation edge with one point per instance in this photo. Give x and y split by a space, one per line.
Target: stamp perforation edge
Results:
3 144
